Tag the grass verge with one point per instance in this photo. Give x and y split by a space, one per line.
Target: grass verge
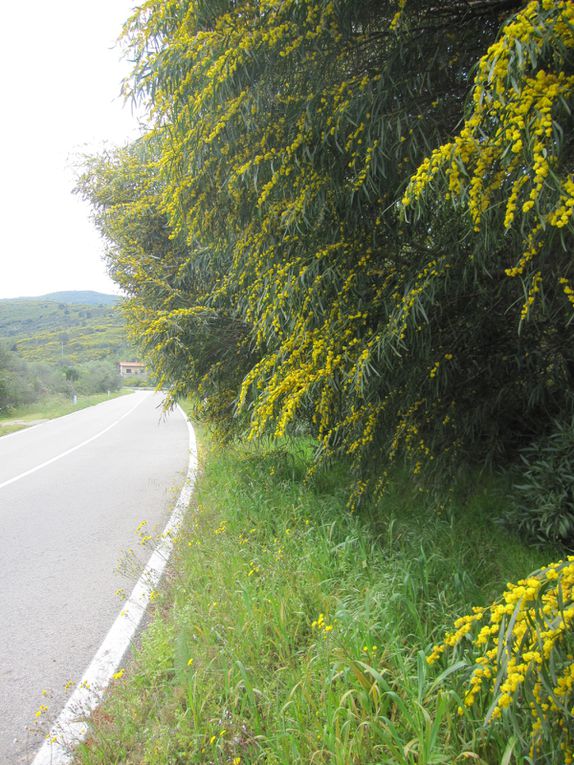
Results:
49 408
294 632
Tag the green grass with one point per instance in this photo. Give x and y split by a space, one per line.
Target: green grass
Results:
294 632
50 407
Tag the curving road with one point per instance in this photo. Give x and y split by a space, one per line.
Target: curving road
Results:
72 492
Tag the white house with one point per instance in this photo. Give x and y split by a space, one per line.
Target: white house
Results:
132 368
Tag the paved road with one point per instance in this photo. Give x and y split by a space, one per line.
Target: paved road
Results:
72 492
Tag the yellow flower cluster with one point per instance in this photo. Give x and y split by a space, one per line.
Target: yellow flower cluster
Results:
509 143
560 216
321 625
142 532
532 292
408 435
424 278
396 20
254 568
522 646
568 291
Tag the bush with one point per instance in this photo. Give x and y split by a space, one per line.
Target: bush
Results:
137 382
98 377
257 227
23 383
543 504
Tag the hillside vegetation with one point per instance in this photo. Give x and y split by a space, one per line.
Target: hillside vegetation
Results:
51 351
38 329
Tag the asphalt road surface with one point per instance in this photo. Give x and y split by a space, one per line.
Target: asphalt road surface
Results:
72 493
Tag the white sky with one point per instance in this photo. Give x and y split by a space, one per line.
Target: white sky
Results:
60 78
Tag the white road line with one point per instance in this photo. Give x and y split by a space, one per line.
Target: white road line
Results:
71 727
57 419
73 449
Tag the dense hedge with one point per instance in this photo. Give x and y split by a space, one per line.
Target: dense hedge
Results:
355 215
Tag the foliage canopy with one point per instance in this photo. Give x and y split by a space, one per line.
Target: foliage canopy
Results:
353 214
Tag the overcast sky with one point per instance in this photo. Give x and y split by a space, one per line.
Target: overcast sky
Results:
60 82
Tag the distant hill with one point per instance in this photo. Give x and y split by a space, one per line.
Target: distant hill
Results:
59 328
80 297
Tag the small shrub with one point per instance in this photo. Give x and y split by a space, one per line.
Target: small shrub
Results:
543 502
97 377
